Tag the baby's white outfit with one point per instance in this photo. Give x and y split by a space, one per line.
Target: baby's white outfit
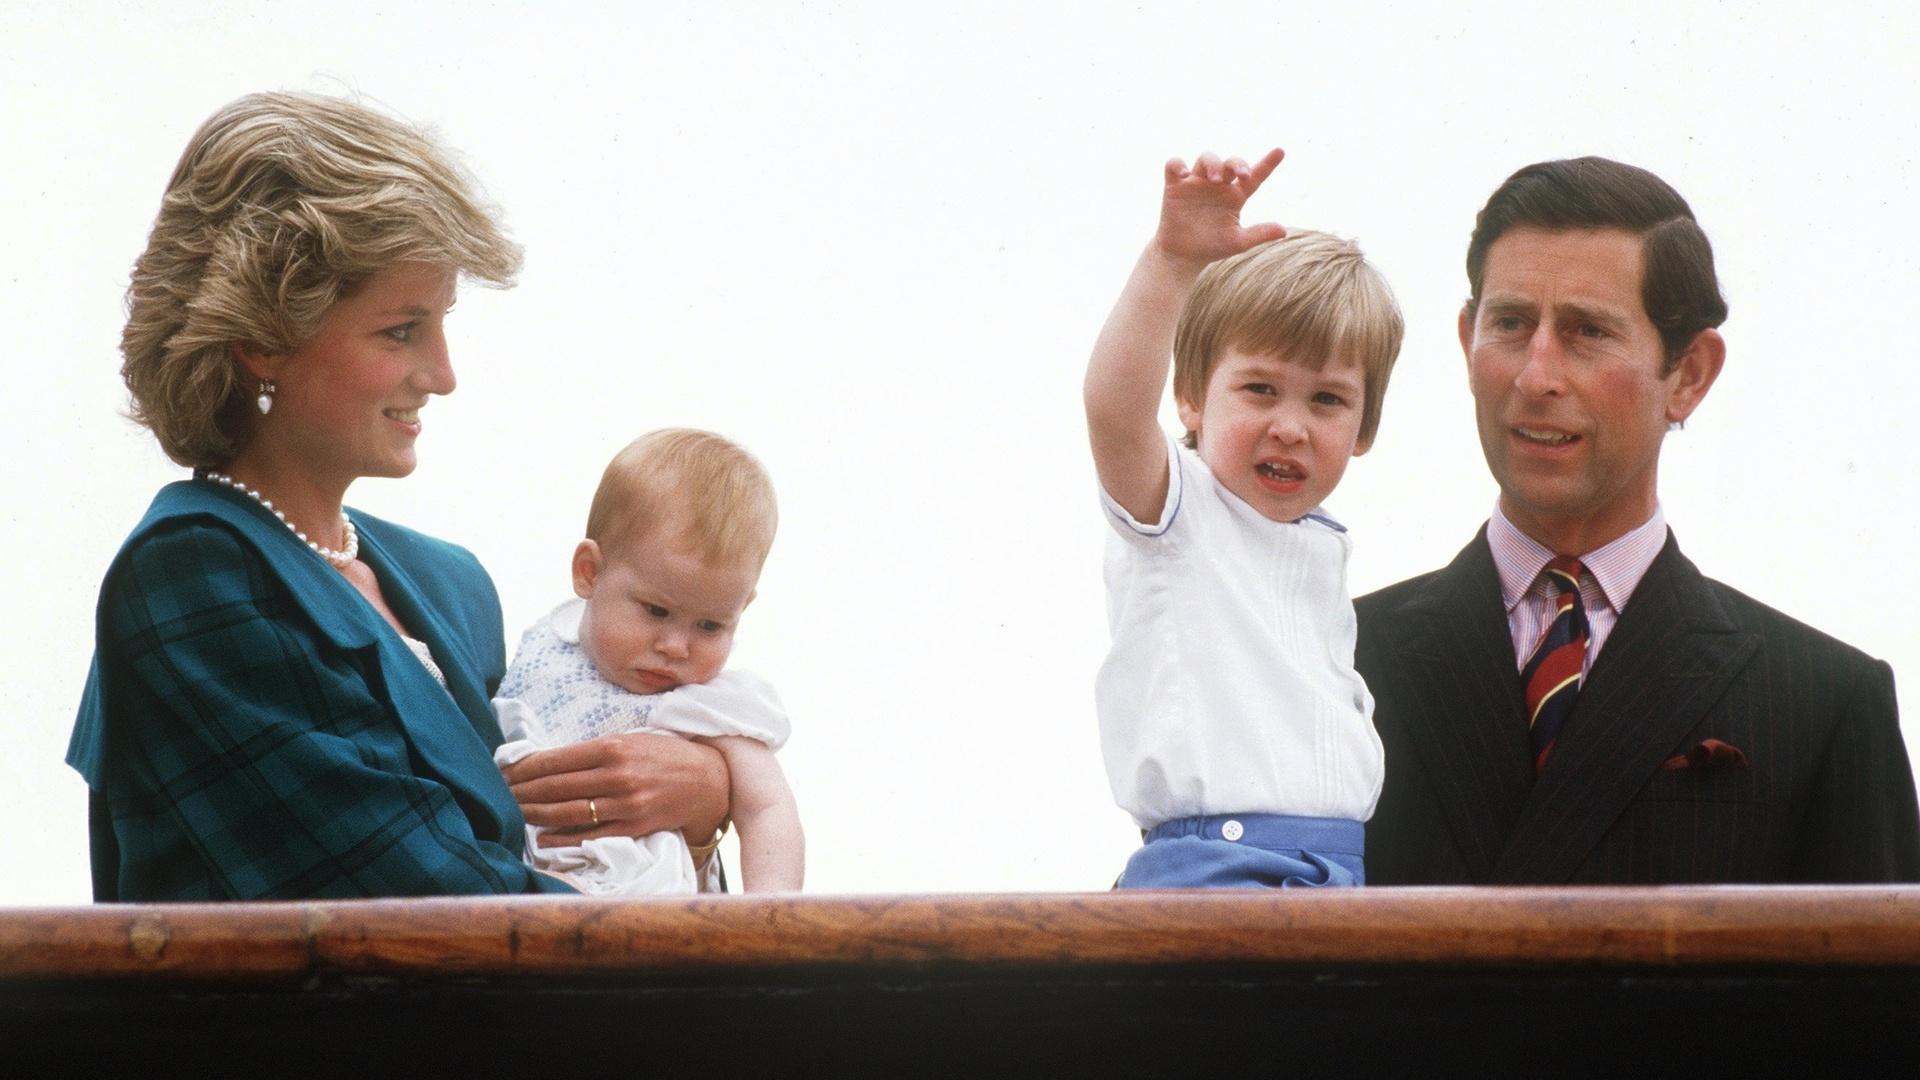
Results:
552 696
1230 687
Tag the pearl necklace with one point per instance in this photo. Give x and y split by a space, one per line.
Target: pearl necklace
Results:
341 558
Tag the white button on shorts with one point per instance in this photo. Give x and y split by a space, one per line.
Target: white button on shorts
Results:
1232 830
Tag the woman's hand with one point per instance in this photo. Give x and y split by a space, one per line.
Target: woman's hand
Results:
633 784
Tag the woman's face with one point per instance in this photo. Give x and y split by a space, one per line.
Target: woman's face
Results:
348 403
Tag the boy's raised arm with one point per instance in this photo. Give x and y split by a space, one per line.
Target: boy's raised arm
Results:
1199 222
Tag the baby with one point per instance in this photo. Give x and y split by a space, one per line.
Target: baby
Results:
679 529
1234 727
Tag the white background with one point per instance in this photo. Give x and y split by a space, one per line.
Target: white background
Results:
875 248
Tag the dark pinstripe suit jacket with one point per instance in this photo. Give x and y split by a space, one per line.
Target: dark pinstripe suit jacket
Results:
1826 794
253 729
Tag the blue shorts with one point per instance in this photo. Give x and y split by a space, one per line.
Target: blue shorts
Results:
1249 851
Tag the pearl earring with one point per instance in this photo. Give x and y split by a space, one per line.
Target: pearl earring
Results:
265 400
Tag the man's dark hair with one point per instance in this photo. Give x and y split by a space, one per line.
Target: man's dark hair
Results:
1677 283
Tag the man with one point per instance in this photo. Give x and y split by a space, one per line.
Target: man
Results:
1571 701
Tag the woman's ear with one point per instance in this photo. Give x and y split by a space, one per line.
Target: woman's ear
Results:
252 359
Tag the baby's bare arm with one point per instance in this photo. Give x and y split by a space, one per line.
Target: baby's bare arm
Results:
1199 222
773 850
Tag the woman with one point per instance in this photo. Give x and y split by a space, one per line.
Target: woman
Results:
287 699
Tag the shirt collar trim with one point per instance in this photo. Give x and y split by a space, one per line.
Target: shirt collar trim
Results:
1615 567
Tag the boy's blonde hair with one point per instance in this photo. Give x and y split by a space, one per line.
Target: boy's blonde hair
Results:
1308 297
282 204
714 495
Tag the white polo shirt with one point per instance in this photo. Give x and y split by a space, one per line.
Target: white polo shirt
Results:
1230 686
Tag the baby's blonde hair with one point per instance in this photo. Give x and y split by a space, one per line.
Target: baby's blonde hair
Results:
1309 297
715 496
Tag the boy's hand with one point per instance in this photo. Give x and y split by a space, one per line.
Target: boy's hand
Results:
1199 222
1200 209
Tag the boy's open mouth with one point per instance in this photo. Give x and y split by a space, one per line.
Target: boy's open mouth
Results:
1281 471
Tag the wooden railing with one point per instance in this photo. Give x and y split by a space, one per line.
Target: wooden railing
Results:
1681 981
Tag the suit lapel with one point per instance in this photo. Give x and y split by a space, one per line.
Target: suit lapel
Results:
1667 660
1465 718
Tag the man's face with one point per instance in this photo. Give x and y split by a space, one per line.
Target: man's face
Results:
1565 370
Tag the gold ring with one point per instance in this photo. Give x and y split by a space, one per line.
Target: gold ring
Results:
592 812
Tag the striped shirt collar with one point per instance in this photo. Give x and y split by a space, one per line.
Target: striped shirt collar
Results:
1616 567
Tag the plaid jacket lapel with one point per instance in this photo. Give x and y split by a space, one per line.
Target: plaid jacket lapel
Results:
464 649
326 597
305 575
453 730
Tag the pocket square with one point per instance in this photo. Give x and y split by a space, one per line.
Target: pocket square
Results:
1709 754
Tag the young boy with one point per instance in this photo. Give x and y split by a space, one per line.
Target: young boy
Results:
677 534
1234 727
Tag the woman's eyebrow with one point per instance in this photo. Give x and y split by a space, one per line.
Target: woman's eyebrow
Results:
410 310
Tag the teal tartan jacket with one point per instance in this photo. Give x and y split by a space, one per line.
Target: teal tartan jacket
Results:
253 729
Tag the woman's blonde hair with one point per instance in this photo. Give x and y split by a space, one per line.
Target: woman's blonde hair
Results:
714 496
282 204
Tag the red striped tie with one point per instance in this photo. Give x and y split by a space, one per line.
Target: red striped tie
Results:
1551 679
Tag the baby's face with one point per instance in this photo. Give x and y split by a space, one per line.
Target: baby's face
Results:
657 617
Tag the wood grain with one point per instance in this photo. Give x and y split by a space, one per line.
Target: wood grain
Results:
1861 927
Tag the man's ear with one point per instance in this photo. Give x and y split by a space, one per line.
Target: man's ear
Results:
1693 376
586 567
1466 333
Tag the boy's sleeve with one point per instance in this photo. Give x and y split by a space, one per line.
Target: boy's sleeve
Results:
1152 534
731 703
265 750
